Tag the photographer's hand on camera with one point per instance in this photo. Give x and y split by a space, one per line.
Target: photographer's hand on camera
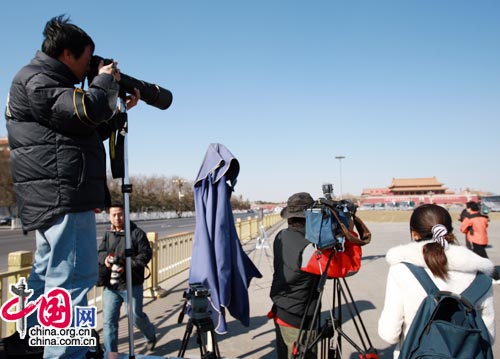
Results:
132 100
113 70
110 260
110 69
106 262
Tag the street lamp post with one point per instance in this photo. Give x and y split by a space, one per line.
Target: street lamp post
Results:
179 182
340 158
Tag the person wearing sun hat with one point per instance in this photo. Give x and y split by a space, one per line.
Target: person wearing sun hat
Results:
291 287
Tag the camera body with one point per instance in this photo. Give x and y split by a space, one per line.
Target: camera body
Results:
116 269
198 296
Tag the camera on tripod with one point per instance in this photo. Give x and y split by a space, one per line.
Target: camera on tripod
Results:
329 223
152 94
334 253
198 295
345 205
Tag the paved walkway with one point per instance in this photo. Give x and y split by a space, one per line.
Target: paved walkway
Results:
257 341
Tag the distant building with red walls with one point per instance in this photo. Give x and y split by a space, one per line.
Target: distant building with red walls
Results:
413 191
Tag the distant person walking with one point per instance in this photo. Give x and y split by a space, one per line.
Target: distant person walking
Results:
112 275
465 214
475 227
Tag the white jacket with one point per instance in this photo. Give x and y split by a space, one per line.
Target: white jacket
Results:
404 293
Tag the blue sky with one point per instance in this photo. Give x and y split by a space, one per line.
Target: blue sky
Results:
400 88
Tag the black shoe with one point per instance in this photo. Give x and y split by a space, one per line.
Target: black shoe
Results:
15 347
150 345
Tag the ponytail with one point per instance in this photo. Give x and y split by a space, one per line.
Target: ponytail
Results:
433 252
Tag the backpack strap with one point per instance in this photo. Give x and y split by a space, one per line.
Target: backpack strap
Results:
475 291
424 278
478 288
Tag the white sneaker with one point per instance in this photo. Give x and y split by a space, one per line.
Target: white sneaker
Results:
495 281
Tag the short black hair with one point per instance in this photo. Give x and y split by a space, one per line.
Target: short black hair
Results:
115 205
474 206
60 34
469 204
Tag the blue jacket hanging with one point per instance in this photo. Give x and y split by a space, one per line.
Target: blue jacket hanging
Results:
218 260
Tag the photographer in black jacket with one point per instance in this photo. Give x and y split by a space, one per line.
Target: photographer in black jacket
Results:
113 277
58 162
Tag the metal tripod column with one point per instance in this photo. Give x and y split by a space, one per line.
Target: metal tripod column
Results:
126 190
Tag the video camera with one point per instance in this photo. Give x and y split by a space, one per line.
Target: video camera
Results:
329 222
152 94
345 205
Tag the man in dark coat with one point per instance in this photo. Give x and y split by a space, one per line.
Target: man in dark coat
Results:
291 288
58 162
112 275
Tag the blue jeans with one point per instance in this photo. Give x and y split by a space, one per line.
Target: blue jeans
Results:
112 301
65 257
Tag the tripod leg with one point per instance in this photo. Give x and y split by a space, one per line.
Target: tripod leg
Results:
205 353
185 339
356 315
215 346
338 341
339 293
201 344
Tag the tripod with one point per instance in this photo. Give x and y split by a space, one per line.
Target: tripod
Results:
331 333
262 245
199 318
204 332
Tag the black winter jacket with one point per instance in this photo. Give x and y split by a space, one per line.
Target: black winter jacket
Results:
292 287
114 243
58 161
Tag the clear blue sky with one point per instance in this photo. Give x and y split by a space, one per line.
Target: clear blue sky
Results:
400 88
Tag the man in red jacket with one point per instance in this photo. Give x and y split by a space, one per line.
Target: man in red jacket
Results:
475 227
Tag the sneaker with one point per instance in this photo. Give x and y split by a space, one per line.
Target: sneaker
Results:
15 347
150 345
495 281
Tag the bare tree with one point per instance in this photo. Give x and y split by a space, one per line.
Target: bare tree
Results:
237 202
155 193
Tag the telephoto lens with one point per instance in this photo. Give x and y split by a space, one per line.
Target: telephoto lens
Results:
152 94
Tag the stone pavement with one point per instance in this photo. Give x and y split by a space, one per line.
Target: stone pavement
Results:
257 341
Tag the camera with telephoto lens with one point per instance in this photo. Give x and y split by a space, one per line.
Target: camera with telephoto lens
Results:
152 94
116 269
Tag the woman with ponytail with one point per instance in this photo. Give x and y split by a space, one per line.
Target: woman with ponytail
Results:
451 267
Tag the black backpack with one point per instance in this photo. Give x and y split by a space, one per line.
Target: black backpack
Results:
446 324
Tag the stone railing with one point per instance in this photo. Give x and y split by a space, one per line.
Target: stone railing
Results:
171 256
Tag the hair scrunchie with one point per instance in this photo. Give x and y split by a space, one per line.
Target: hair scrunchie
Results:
438 233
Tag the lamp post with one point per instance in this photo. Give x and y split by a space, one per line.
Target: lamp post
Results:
179 182
340 158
